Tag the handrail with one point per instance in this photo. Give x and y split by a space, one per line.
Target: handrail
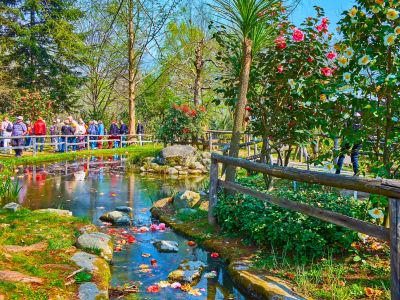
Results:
388 188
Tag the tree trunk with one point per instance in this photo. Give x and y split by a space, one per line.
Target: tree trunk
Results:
266 159
132 84
198 64
240 106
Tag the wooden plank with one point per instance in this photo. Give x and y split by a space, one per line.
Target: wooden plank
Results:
394 213
213 191
325 215
373 186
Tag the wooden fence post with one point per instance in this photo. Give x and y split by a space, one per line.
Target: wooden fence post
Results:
394 212
210 141
213 191
33 139
88 142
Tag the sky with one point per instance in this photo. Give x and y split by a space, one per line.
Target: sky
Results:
333 10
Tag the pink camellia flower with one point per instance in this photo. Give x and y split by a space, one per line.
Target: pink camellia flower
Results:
322 27
331 55
298 35
325 20
326 71
161 226
280 69
153 227
280 42
310 59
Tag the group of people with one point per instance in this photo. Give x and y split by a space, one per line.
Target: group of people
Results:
76 135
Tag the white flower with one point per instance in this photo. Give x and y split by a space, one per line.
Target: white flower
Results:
376 213
353 12
363 237
347 77
292 83
349 52
389 39
392 14
329 167
364 60
397 30
343 61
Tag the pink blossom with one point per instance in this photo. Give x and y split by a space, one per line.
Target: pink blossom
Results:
153 227
322 27
298 35
161 226
280 42
310 59
280 69
325 20
331 55
326 71
176 285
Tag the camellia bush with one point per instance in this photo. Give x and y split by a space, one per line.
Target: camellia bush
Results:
182 123
31 105
369 82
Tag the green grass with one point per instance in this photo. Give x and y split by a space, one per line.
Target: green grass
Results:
134 153
26 228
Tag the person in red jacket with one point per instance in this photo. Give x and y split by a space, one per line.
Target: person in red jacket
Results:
39 129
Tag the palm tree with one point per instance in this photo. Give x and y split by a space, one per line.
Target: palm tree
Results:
248 19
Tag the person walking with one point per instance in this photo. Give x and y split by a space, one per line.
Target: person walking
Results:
18 129
39 129
123 130
59 125
52 130
351 142
29 133
100 133
81 132
93 131
67 132
6 131
74 126
114 131
140 132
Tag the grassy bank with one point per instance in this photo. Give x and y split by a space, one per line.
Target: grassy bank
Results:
52 237
133 153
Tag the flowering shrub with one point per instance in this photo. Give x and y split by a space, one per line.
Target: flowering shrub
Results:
287 231
31 105
182 123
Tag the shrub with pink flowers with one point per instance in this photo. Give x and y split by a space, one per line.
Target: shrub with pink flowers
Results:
182 123
31 105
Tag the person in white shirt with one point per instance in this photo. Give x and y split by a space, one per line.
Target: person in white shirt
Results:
80 132
6 131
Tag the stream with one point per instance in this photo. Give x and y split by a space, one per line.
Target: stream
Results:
91 186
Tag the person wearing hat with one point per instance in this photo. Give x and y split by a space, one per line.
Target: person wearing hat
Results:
351 142
19 129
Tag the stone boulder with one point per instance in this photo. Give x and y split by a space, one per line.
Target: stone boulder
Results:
12 206
166 246
188 272
97 240
125 209
90 291
117 218
177 155
187 199
172 171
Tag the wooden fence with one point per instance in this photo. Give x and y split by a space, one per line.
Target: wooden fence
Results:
388 188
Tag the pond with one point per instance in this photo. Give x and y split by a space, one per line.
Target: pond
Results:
92 186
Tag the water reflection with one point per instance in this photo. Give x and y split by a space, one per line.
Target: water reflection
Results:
91 186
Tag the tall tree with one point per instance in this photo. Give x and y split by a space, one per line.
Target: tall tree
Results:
248 20
42 46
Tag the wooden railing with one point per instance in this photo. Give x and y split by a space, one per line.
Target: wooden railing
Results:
388 188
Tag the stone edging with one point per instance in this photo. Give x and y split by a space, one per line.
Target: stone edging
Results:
245 278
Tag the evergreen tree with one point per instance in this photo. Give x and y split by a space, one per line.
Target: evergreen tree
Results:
42 48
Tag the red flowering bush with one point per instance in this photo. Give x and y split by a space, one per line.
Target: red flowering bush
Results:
31 105
182 123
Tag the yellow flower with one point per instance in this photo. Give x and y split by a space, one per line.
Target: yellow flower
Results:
343 61
353 12
389 39
397 30
336 47
365 60
380 2
392 14
376 213
329 167
362 237
346 77
349 52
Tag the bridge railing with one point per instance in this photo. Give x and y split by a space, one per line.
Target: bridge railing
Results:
388 188
86 141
